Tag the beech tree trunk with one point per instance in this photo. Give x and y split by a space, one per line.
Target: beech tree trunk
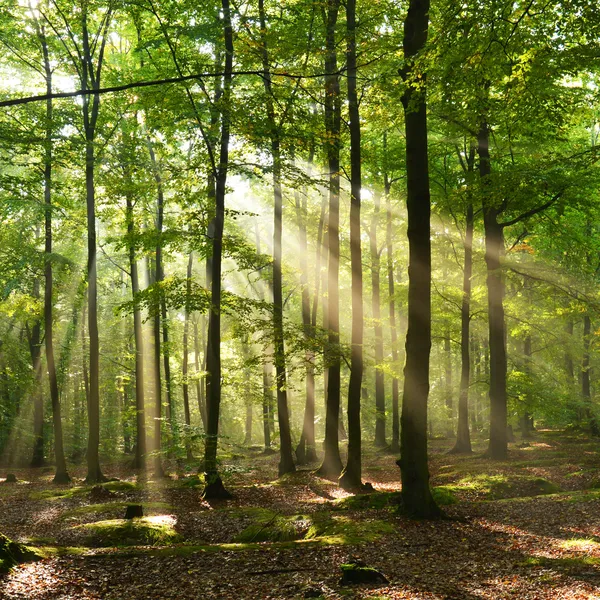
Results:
351 477
214 485
332 463
184 367
463 438
416 494
494 247
35 351
380 419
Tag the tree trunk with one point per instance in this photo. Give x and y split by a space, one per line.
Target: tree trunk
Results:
395 445
35 350
494 247
138 336
332 463
416 494
90 118
585 377
214 486
306 451
286 461
199 387
380 419
463 438
186 329
351 478
526 415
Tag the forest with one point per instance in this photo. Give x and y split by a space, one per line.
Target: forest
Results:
299 299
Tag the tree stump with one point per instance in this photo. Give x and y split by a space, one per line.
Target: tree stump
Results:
99 493
11 478
134 511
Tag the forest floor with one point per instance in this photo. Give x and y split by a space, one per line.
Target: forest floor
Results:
526 528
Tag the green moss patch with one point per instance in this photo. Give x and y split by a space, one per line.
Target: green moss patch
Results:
149 531
79 490
377 501
340 529
271 527
496 487
12 554
115 507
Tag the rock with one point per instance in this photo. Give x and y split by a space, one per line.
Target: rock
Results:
356 572
11 478
134 511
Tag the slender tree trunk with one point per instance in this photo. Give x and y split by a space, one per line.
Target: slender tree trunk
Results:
35 350
286 462
395 445
585 376
526 415
380 419
351 477
332 462
463 438
138 336
306 451
214 485
494 247
199 387
186 329
416 494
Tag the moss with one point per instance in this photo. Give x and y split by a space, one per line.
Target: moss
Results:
113 507
275 528
377 501
505 486
353 573
340 529
12 554
444 495
78 490
570 563
148 531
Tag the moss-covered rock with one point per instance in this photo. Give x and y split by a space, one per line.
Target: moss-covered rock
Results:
149 531
271 527
12 554
357 573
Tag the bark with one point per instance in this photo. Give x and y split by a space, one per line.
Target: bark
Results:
332 462
463 438
138 336
306 451
286 459
526 416
91 106
380 419
494 247
35 350
395 445
214 486
199 387
184 368
351 478
585 377
416 494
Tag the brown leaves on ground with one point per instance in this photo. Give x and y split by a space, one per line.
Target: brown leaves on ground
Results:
521 547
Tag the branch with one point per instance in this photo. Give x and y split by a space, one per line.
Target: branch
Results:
142 84
533 211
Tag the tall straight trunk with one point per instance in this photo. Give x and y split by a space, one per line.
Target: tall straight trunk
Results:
351 477
525 413
494 247
416 494
199 387
90 79
395 445
214 486
306 451
380 419
35 350
138 336
184 367
157 355
585 377
161 326
449 404
286 461
463 438
332 462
